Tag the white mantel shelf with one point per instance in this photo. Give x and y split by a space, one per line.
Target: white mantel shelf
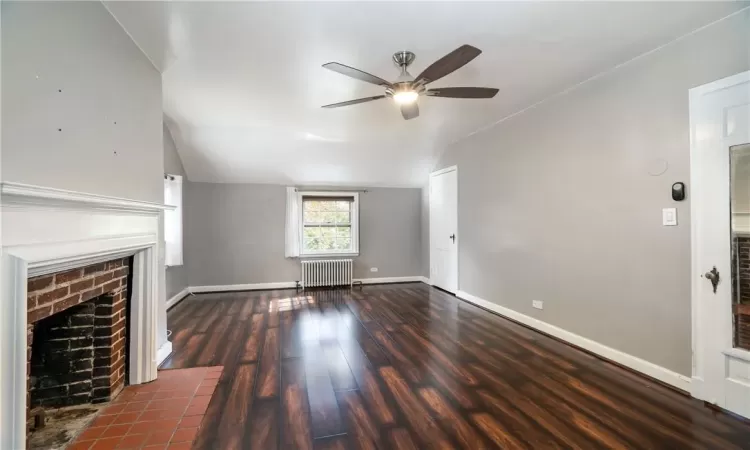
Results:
45 230
19 193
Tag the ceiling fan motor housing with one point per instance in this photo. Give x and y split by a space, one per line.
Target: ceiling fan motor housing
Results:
404 58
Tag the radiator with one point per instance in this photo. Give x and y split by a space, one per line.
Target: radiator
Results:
327 272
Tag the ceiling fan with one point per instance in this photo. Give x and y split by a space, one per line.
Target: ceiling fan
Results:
407 89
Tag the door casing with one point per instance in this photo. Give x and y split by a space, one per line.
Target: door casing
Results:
458 236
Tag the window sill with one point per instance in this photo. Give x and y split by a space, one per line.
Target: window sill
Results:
328 255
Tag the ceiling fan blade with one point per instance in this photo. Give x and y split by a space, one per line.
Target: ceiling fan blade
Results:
462 92
448 63
353 102
410 110
356 73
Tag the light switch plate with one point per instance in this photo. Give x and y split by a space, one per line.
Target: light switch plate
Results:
669 217
538 304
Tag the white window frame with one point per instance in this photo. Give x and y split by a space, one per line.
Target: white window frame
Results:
354 225
173 221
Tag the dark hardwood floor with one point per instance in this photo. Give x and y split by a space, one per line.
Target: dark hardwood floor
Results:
406 366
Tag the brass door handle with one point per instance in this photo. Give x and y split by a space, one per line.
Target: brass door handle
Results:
714 277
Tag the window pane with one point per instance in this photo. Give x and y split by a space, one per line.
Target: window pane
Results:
343 206
342 217
311 205
343 243
327 243
327 217
312 244
343 232
327 206
328 232
313 217
312 232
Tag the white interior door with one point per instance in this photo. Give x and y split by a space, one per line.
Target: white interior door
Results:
720 173
444 229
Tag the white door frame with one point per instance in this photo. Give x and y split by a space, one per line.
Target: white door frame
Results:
700 129
458 235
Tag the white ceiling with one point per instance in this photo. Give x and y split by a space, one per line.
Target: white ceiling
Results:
243 83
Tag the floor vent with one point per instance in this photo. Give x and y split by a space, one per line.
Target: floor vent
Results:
327 272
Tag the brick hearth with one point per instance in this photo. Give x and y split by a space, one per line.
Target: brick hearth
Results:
80 317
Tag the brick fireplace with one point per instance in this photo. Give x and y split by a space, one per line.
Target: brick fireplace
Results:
76 335
69 258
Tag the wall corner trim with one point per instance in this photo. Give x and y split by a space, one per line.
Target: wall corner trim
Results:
163 353
662 374
178 297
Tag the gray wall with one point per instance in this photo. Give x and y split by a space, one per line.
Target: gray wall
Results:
234 234
176 277
425 231
557 204
79 49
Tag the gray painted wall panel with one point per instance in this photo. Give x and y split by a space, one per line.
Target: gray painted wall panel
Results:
79 49
556 204
235 234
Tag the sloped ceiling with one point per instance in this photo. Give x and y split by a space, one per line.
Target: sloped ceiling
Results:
243 83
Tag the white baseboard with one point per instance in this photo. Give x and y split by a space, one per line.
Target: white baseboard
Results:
660 373
177 297
243 287
425 280
388 280
290 285
163 353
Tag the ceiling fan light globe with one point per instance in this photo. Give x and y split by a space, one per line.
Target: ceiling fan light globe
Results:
405 97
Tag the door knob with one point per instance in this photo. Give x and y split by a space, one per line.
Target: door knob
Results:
453 238
714 277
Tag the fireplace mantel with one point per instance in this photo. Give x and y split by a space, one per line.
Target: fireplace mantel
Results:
45 230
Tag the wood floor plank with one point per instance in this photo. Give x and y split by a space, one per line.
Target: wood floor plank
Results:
332 443
406 366
296 430
364 431
236 411
263 431
268 378
417 416
496 432
400 439
325 419
252 346
338 369
452 421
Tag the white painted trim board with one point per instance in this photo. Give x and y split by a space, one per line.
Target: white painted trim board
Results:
654 371
163 353
291 285
177 298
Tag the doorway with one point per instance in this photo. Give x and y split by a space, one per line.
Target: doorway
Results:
444 229
720 232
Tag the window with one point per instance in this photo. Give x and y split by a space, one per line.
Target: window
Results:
329 224
173 220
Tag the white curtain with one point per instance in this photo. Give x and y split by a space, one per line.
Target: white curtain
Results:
173 220
293 220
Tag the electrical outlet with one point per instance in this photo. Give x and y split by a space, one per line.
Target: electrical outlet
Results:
373 269
538 304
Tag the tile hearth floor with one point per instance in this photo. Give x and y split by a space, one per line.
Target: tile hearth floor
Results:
164 414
